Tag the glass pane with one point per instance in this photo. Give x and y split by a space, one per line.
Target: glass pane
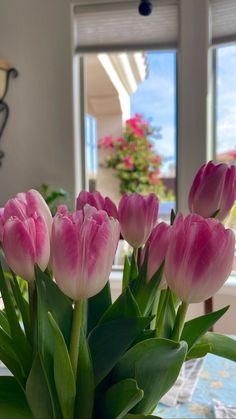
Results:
130 127
226 114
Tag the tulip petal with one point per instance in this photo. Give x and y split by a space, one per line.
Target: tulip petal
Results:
36 204
42 243
18 248
65 249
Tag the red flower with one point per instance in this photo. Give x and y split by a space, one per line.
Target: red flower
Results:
156 160
154 177
128 162
133 147
106 142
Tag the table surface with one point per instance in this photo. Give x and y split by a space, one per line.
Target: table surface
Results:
217 381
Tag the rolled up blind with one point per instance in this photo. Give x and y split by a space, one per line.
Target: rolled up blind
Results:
117 25
223 20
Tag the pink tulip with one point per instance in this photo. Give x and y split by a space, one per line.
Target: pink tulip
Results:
138 216
27 204
199 257
25 227
26 242
83 247
214 188
157 246
1 223
95 199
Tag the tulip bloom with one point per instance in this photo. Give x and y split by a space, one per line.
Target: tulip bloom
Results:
83 247
157 246
95 199
199 257
138 216
25 225
214 188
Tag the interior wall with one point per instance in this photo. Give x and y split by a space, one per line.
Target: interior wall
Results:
35 36
107 182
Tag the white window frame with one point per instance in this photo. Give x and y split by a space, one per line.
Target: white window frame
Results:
196 99
193 97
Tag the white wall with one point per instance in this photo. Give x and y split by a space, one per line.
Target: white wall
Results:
35 36
107 183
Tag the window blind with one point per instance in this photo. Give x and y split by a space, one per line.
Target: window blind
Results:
117 25
223 15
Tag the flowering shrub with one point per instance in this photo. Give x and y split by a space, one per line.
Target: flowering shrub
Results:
132 156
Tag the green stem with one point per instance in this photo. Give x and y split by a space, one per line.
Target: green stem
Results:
160 306
75 334
155 309
136 254
179 321
160 320
31 291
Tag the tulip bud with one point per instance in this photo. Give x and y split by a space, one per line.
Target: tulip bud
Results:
138 216
214 188
199 257
157 246
95 199
83 247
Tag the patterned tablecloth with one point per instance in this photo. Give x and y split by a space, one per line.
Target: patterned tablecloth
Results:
217 381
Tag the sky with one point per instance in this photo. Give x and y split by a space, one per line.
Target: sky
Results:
226 98
155 98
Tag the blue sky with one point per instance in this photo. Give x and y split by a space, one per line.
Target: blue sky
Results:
155 98
226 98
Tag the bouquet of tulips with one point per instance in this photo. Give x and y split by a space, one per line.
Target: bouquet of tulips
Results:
72 352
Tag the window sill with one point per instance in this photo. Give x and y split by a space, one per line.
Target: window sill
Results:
229 288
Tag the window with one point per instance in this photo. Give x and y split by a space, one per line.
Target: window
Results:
132 99
226 114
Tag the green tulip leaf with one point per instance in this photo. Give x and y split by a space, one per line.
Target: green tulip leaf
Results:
194 329
169 317
133 272
20 341
124 307
13 365
109 341
4 322
9 356
85 381
63 373
13 403
37 391
120 399
155 365
126 273
23 306
56 302
97 306
145 292
51 299
216 344
199 350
